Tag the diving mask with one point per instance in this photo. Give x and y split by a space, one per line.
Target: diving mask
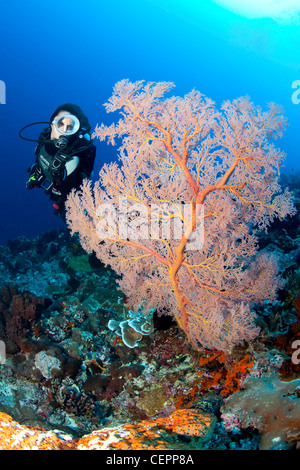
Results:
66 124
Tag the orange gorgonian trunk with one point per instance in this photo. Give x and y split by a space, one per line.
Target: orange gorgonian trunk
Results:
177 216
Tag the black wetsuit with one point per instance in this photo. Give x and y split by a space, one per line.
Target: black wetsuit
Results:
57 171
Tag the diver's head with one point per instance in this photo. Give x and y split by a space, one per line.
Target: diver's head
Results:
64 124
66 121
67 124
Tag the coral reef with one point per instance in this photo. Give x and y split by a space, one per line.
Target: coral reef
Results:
18 314
70 381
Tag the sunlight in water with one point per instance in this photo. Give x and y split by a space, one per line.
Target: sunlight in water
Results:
280 10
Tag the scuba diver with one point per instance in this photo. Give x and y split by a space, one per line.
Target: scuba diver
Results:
65 155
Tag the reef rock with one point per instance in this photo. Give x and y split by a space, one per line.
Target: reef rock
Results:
269 405
169 433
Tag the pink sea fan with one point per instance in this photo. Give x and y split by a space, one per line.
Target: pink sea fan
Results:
176 218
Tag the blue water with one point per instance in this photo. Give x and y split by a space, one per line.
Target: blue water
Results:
75 51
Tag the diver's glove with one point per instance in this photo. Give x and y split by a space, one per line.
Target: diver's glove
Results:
34 178
32 182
